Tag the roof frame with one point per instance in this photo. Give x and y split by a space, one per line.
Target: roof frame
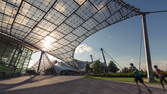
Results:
87 17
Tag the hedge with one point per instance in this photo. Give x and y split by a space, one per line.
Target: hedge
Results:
144 74
5 72
118 74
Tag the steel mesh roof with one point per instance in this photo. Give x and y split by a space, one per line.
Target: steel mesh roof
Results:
59 26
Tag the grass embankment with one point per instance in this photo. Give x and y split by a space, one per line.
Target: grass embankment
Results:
121 79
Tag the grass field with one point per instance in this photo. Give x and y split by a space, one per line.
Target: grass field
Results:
121 79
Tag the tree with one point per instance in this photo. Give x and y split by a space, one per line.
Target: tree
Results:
87 68
97 67
50 70
112 67
125 70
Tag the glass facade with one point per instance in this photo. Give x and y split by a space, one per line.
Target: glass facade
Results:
14 58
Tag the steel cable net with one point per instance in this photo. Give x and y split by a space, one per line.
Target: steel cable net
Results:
59 26
45 64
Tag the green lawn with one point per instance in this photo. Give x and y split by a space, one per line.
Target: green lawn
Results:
120 79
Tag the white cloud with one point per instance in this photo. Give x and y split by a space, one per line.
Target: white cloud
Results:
132 60
83 48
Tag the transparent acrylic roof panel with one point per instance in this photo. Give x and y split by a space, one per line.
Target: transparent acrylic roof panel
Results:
59 26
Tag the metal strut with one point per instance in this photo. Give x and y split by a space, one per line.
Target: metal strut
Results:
147 49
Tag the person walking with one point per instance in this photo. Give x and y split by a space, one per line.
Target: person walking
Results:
138 78
160 75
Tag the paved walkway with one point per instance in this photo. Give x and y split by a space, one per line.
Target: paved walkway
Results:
69 85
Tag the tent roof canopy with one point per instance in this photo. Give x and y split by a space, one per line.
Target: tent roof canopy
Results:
59 26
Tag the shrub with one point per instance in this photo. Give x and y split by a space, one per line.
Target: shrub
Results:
130 74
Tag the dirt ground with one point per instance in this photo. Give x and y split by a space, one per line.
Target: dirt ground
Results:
70 85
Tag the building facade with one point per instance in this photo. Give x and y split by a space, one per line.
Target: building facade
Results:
14 57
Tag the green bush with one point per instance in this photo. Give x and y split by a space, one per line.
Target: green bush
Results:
130 74
118 74
6 72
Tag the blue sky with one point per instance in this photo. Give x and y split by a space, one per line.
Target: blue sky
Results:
122 40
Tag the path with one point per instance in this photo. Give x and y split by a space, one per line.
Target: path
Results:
69 85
